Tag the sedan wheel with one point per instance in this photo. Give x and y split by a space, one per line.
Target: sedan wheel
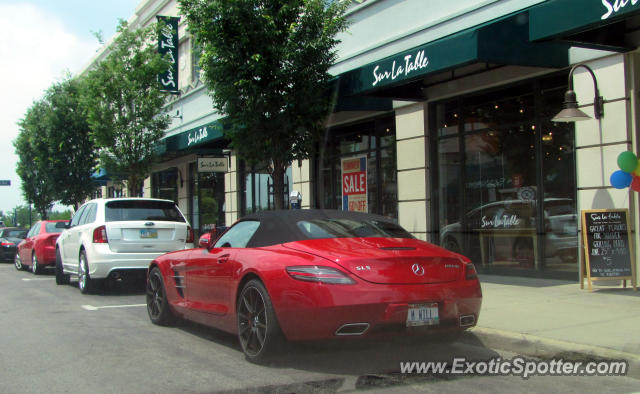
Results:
258 329
35 267
157 303
85 283
17 262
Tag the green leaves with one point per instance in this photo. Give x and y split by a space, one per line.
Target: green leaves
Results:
266 67
55 154
124 105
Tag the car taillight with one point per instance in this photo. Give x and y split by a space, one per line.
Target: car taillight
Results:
100 235
314 273
189 235
7 243
470 272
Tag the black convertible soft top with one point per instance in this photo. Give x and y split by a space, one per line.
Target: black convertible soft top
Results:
281 226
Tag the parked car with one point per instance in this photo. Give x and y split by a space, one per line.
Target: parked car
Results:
10 237
112 238
560 226
38 249
314 274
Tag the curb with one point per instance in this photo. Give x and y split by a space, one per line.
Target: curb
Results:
540 347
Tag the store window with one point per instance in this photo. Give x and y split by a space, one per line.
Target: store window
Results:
206 199
164 184
374 141
257 188
115 191
506 179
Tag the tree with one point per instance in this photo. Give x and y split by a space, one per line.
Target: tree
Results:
22 216
71 151
125 105
266 68
34 167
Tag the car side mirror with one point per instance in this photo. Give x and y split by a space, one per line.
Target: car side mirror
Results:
205 240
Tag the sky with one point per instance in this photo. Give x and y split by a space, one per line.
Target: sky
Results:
40 42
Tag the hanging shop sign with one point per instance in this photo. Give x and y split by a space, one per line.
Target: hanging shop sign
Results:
168 44
213 164
606 250
354 184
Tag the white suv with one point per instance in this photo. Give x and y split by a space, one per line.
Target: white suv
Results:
108 238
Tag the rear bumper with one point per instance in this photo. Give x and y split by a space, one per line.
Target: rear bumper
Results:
7 253
48 256
309 311
102 261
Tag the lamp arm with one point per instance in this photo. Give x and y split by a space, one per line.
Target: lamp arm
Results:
598 103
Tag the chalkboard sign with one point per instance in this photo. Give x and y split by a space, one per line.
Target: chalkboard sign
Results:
607 245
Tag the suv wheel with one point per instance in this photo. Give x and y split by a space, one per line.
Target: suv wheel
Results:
85 283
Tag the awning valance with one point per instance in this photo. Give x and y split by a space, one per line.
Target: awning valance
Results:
557 18
504 41
192 138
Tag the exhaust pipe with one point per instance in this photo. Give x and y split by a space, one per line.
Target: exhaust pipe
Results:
115 275
467 320
352 329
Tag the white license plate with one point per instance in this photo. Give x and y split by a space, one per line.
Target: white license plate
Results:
148 233
422 315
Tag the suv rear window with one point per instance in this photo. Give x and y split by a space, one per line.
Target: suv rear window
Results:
116 211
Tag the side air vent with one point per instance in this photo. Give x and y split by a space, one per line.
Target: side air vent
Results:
180 284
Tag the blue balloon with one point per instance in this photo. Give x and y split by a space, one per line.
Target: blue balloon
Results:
620 179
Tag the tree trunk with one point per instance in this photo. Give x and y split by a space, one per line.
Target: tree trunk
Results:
133 186
278 185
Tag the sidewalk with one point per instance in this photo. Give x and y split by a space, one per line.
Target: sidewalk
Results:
544 318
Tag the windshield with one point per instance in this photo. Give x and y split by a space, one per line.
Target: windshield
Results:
51 228
346 228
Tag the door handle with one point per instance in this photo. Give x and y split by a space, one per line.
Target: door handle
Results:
223 259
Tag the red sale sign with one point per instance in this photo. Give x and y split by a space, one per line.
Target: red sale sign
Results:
354 184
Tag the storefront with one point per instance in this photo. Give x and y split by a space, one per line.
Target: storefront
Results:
372 143
192 173
506 182
474 162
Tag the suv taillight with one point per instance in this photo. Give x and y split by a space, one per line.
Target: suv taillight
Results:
470 272
189 235
100 235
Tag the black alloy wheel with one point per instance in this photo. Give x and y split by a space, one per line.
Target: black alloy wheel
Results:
157 303
258 329
61 278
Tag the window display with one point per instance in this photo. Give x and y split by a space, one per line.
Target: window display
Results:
506 178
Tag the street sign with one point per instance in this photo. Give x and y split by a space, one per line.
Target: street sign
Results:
6 182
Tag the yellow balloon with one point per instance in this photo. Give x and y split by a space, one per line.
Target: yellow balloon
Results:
636 172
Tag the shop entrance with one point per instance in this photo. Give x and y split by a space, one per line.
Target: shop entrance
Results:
506 187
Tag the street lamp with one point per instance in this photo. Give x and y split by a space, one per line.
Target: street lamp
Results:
570 112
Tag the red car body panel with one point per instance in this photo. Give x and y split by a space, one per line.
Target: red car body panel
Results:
203 285
43 245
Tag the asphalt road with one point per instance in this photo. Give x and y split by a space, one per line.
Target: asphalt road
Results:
55 340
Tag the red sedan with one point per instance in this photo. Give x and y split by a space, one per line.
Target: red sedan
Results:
38 249
315 274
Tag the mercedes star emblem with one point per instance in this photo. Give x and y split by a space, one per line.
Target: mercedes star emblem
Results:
417 269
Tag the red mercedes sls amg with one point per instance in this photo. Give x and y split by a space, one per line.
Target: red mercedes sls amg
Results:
314 274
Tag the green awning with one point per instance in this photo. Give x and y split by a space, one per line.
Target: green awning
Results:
192 138
558 18
503 41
